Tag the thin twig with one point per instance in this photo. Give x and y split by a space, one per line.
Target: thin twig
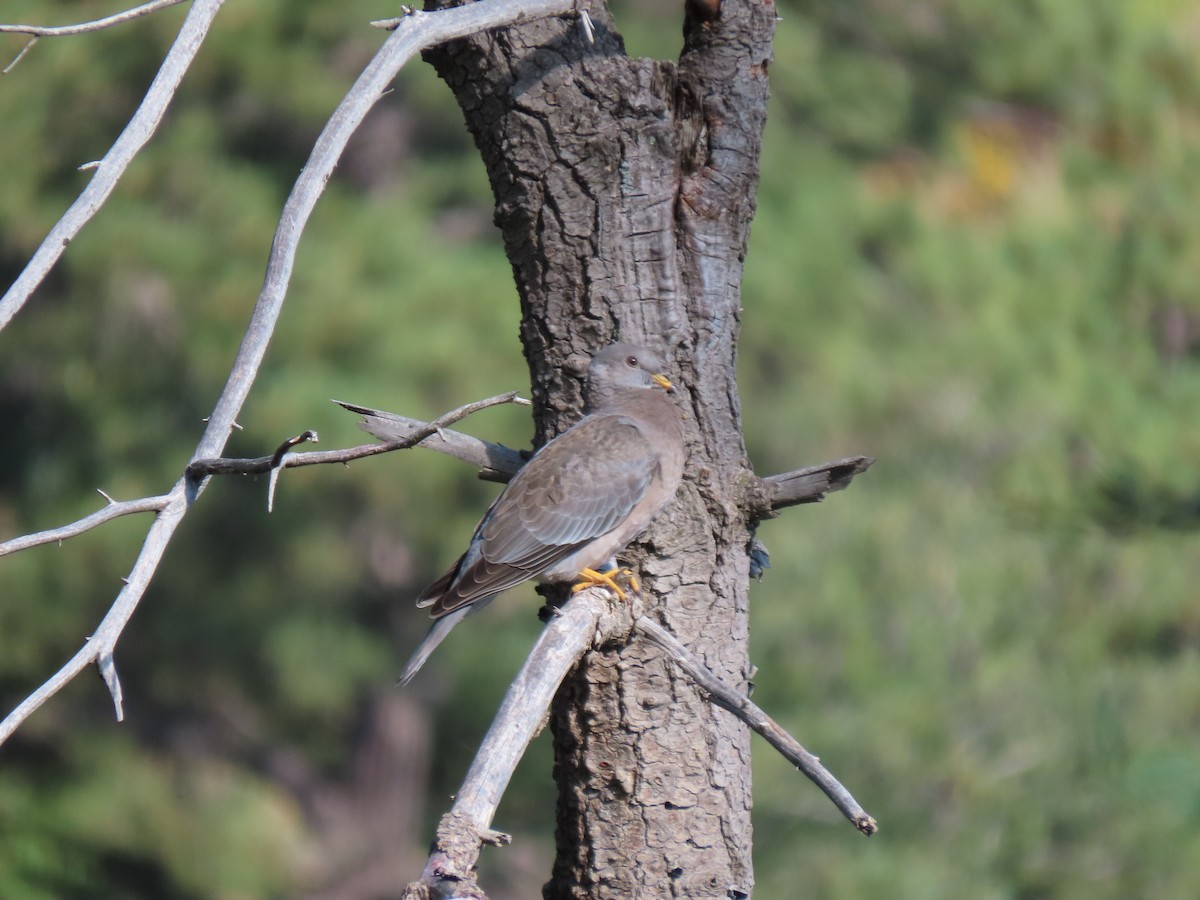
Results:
29 45
259 464
393 23
281 453
737 703
113 510
282 450
135 136
416 34
95 25
282 458
495 461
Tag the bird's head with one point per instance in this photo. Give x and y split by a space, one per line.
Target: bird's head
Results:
622 366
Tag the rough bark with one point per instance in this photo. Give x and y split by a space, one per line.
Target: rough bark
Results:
624 191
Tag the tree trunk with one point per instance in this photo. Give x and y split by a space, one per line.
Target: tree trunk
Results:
624 190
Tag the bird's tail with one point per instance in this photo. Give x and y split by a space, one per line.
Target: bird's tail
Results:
437 633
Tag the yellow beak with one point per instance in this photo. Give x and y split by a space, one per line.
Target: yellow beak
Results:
663 382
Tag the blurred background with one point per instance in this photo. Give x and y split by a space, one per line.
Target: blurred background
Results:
975 258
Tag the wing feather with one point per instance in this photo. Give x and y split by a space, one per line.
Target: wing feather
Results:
577 488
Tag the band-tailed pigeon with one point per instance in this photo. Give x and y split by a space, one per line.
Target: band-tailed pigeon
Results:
578 501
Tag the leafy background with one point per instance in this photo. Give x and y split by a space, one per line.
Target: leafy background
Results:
975 258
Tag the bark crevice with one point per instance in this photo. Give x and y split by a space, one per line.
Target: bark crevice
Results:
624 190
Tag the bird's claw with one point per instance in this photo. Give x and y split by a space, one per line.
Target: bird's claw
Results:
592 578
632 579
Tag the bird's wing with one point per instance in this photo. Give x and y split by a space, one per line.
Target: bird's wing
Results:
577 488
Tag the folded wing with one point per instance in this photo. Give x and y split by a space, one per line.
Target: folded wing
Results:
576 489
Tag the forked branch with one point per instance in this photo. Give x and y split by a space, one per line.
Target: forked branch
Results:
95 25
282 458
416 32
590 619
115 509
137 133
37 32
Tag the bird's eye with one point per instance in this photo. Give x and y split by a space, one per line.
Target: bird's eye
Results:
631 361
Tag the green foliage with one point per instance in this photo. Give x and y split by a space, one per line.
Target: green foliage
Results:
973 258
993 636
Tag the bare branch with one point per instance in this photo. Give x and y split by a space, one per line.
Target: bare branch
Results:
95 25
419 432
29 44
419 31
135 136
284 459
503 462
496 462
733 701
281 453
813 483
467 826
499 463
588 620
282 450
257 465
99 517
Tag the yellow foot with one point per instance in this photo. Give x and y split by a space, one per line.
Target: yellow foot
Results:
591 578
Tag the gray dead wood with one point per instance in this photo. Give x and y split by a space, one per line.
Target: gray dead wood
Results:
418 32
587 619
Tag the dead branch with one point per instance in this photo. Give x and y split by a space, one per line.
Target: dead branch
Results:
741 706
137 133
495 461
499 463
417 32
114 510
29 45
586 620
95 25
283 458
589 619
812 483
37 32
